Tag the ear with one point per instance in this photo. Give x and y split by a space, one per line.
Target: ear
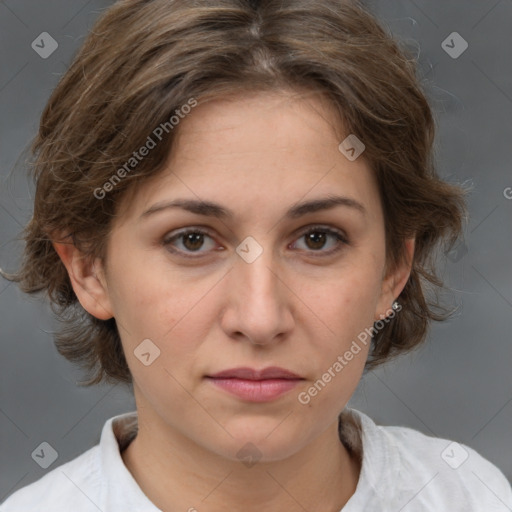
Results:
87 278
395 281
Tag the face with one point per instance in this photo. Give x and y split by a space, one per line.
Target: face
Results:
258 280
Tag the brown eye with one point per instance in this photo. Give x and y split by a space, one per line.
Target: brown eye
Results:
317 238
190 241
193 241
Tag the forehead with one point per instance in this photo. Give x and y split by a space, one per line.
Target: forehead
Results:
259 123
259 149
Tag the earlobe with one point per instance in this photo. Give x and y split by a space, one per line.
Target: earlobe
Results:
395 282
89 287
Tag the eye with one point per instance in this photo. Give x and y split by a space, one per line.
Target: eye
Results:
316 239
192 240
189 241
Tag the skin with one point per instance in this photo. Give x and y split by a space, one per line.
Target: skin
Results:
258 155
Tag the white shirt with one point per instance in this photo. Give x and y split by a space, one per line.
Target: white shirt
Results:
402 470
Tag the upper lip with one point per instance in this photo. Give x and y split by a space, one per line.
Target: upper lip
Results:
272 372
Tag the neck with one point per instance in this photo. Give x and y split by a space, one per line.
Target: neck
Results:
178 474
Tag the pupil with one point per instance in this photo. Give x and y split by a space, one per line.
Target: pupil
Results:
317 238
194 241
195 238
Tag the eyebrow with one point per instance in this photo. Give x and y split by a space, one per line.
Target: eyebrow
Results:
210 209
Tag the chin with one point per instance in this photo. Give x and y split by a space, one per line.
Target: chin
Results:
266 439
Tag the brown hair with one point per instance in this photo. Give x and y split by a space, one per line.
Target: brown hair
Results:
145 59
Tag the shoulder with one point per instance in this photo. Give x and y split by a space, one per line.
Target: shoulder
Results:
95 480
76 482
455 465
433 473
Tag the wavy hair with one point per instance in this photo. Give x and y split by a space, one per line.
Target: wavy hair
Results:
144 59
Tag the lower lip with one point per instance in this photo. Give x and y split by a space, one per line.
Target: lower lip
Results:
256 390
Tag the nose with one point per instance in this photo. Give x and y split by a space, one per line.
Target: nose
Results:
259 305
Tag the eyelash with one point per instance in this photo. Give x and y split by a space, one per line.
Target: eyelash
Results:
337 235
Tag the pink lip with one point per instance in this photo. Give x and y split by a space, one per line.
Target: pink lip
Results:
271 372
256 385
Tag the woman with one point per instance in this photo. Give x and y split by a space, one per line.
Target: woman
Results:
236 214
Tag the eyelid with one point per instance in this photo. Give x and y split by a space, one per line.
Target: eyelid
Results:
322 227
175 235
337 233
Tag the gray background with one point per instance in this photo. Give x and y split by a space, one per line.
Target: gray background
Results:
458 386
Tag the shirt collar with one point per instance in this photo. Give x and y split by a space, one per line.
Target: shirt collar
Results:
379 477
357 431
119 488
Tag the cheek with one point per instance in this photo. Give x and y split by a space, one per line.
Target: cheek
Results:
345 302
175 323
346 306
171 308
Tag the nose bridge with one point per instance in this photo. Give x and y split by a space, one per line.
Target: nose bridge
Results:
256 271
258 307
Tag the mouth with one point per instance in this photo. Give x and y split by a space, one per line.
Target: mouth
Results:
256 385
246 373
